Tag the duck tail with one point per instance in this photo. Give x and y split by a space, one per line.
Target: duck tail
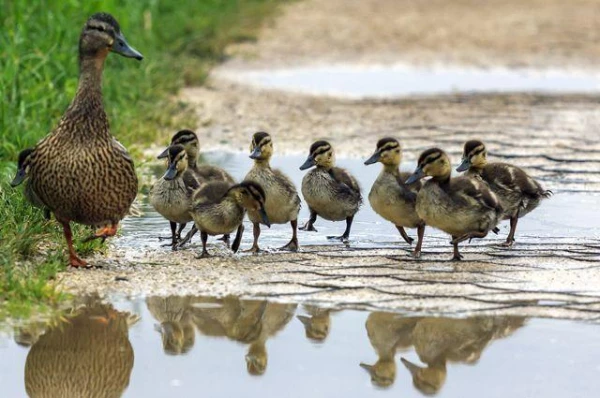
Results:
546 194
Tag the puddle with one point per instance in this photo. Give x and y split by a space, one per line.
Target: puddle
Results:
573 215
201 346
400 80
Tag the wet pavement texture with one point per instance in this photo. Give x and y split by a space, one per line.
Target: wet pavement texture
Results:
197 345
551 271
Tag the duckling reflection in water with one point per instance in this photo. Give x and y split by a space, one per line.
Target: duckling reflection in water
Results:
388 334
318 322
88 356
250 322
441 340
176 327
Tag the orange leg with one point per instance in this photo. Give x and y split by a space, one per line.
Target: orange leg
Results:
103 233
74 261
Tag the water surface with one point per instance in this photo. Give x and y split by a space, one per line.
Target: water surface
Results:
202 346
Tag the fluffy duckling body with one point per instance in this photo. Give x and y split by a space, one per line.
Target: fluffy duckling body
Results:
517 192
171 195
79 171
219 208
462 207
390 197
331 192
282 200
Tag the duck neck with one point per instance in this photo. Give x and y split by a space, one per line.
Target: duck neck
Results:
88 99
393 169
443 181
263 163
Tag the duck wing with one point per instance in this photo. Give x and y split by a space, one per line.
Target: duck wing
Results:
471 190
347 183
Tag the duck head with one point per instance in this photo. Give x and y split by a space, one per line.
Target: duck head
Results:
428 380
186 138
388 152
316 327
261 147
22 166
256 359
383 372
434 163
474 155
176 163
321 154
252 197
101 35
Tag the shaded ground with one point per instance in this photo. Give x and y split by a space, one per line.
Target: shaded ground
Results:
554 137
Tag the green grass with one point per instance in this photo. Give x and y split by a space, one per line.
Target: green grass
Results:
181 41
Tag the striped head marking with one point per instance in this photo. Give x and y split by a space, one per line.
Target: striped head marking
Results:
252 196
176 163
102 34
189 140
388 152
474 155
261 147
321 154
433 162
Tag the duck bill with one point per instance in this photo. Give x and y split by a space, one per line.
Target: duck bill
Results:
368 368
123 48
304 319
171 172
18 178
464 165
412 368
256 152
263 216
416 176
163 154
373 159
310 162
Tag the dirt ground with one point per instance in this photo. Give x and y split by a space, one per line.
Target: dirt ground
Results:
554 137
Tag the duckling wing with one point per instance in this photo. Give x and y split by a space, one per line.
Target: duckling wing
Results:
213 173
211 192
507 178
287 184
408 192
347 183
473 190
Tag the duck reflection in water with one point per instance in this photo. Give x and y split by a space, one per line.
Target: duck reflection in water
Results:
317 323
436 341
250 322
176 327
89 355
388 334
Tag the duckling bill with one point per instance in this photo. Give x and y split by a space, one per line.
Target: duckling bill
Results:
390 197
330 192
462 207
518 193
79 171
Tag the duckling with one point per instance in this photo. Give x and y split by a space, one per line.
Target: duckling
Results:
171 196
317 323
390 197
462 207
331 192
219 208
283 202
517 192
23 164
204 172
79 172
176 327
